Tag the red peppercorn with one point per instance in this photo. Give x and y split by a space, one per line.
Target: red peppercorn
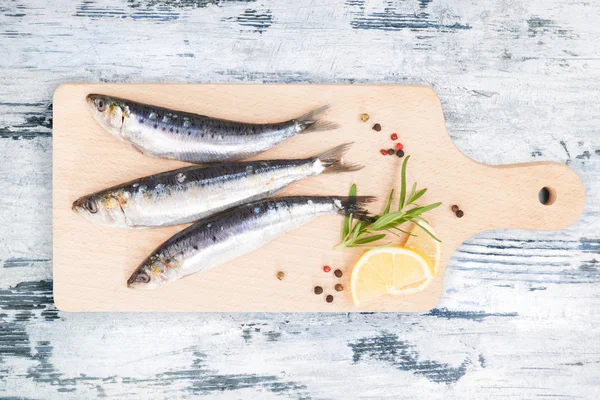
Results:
394 136
326 268
399 146
383 152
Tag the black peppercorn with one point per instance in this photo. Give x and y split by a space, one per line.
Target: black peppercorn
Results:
460 213
329 298
390 151
400 153
338 273
318 290
377 127
454 208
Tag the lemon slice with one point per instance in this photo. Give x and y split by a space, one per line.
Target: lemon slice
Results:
425 244
389 270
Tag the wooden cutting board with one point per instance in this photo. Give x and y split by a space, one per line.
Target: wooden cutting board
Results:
93 262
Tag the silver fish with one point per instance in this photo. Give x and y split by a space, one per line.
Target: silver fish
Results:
164 133
188 194
222 237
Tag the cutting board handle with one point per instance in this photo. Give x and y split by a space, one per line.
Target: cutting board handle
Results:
512 196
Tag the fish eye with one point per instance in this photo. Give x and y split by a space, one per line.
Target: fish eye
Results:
90 205
100 105
142 277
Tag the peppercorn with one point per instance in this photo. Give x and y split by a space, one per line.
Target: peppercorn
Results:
318 290
460 213
390 151
329 298
338 273
383 151
455 208
280 275
394 136
377 127
400 153
364 117
399 146
339 287
326 268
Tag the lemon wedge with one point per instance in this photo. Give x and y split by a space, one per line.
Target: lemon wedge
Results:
397 270
389 270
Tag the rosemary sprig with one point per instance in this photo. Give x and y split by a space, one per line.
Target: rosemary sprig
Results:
362 233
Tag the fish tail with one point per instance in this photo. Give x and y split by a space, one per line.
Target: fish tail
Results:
356 206
310 122
333 162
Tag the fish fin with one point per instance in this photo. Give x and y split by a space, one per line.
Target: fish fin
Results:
310 122
355 206
333 161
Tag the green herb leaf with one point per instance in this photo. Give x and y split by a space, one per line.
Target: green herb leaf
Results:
392 232
347 224
352 190
412 193
370 239
422 219
417 195
386 219
401 230
356 230
389 202
369 247
403 184
426 231
348 218
420 210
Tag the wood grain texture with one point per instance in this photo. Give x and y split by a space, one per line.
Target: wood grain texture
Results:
92 263
518 80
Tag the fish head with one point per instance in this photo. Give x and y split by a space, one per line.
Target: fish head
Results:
153 273
106 209
110 112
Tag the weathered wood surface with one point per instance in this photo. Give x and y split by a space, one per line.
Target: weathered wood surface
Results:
519 81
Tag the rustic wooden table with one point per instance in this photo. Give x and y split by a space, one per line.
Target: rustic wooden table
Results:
519 318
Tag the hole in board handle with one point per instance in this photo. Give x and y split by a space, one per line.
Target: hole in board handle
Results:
547 196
